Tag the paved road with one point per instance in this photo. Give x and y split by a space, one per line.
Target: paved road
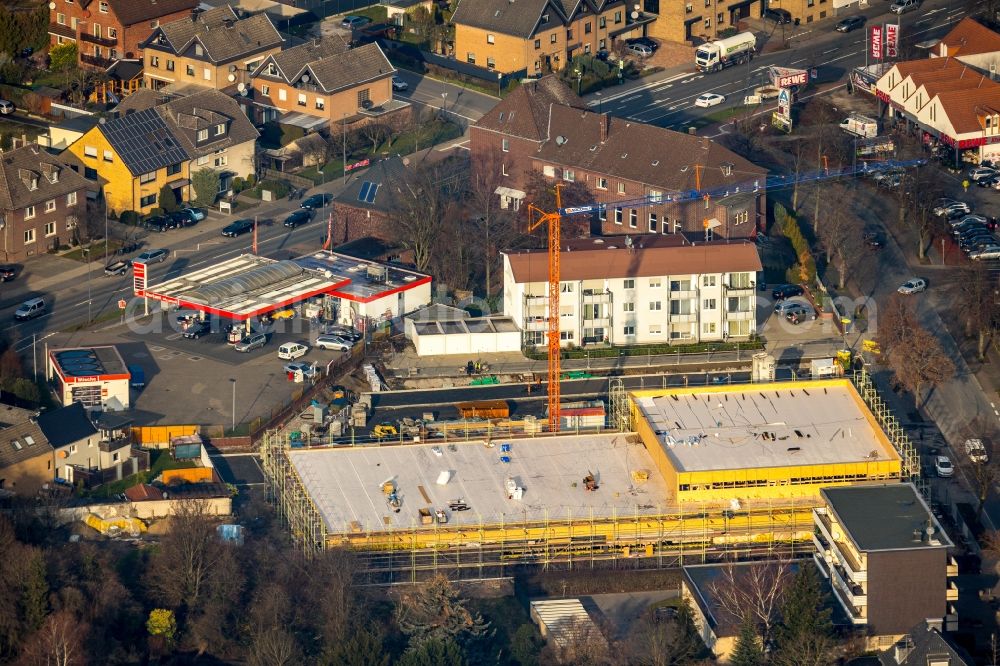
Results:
461 103
669 101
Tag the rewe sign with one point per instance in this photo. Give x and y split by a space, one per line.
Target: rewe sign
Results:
876 42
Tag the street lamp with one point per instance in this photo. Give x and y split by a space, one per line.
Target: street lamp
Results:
86 253
444 101
234 403
600 103
105 228
579 78
499 84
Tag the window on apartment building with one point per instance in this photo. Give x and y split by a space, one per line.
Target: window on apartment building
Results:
741 327
265 90
688 8
71 199
720 19
709 280
628 284
822 14
102 7
618 17
505 145
61 19
618 215
29 212
708 23
170 65
203 135
628 331
490 39
586 48
565 335
602 214
569 35
198 50
809 19
302 99
282 94
320 103
174 169
628 307
503 170
633 218
549 171
655 306
220 129
190 70
50 205
29 236
566 287
602 22
89 151
538 65
655 283
207 74
203 160
109 156
50 228
491 63
602 183
588 28
112 33
147 177
708 327
621 187
569 175
653 223
741 216
89 173
739 304
708 3
552 38
603 44
933 112
538 43
655 329
680 307
364 98
148 200
708 304
154 62
470 58
221 160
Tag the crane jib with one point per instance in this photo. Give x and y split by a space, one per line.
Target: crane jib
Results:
770 182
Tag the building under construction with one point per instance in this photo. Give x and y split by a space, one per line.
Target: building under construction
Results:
681 480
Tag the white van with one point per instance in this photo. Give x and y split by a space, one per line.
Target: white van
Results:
31 308
292 350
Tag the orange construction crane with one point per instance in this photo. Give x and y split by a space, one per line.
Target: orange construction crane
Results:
554 221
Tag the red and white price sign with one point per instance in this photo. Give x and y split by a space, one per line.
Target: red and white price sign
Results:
139 279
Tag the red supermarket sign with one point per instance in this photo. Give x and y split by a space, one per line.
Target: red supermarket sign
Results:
793 80
876 42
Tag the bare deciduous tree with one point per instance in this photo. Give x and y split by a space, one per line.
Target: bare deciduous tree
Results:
427 194
979 306
189 553
753 593
920 362
376 133
670 642
916 195
582 644
274 647
495 226
59 642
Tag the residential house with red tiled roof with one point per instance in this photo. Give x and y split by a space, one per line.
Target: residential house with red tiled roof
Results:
971 43
109 30
543 127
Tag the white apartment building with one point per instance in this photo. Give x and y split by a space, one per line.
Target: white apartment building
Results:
646 290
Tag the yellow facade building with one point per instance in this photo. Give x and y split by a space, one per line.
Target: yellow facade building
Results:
535 36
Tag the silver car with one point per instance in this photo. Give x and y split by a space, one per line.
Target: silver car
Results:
248 344
333 342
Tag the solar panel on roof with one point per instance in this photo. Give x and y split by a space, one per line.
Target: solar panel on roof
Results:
365 188
371 193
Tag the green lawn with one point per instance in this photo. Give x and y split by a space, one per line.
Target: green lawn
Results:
160 460
377 13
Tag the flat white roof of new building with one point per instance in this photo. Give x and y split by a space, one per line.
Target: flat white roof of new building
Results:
755 426
346 483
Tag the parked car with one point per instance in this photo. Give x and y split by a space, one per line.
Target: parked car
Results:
308 369
943 466
986 253
784 307
644 41
237 228
399 84
353 22
640 50
901 6
178 219
335 342
709 99
151 257
972 218
251 342
850 23
343 332
976 451
799 312
6 107
7 273
197 329
980 172
157 223
872 240
779 16
786 291
31 308
913 286
292 350
947 208
196 214
299 217
316 201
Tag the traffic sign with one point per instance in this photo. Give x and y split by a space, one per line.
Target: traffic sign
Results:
122 304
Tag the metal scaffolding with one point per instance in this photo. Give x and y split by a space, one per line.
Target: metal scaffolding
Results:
286 492
891 427
620 415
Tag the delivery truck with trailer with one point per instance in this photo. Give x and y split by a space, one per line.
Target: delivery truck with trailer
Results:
735 50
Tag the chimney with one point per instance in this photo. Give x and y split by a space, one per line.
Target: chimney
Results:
605 126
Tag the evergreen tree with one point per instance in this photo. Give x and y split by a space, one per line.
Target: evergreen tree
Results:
434 611
804 637
168 199
434 652
363 648
748 651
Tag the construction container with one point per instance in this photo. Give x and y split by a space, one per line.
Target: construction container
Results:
483 409
582 414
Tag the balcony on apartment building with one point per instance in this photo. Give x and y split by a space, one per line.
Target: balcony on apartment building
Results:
855 571
737 289
853 593
62 30
96 61
682 317
740 315
101 41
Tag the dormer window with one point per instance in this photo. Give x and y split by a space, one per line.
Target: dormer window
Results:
220 129
727 169
272 69
198 50
203 135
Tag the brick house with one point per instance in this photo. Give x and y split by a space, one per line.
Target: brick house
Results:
214 48
42 201
535 36
322 83
363 208
543 127
109 30
26 457
680 21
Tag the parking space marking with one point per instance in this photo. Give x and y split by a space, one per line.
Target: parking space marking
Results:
156 348
173 336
